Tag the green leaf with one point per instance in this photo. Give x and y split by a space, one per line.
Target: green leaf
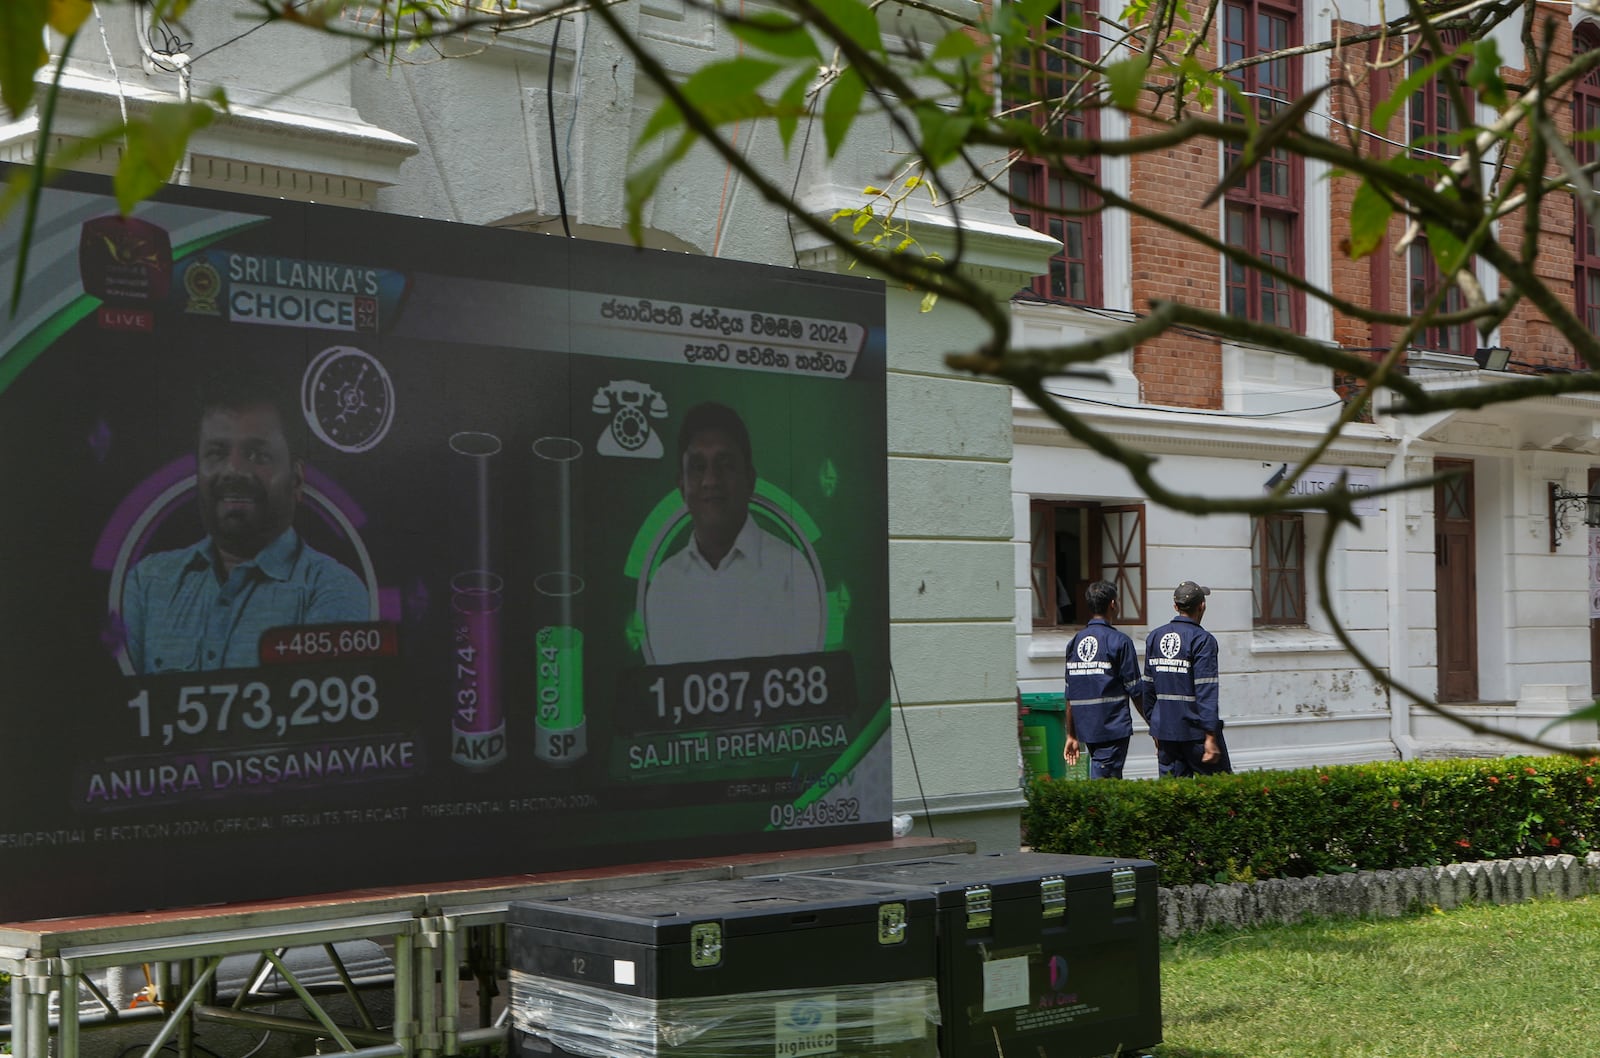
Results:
727 91
929 300
840 108
1385 111
1449 252
722 92
1369 219
943 133
777 35
1483 76
957 44
667 116
1588 712
65 16
21 51
1125 80
855 20
155 146
792 105
1015 24
642 182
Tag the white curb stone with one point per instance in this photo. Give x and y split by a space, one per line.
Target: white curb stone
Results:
1383 894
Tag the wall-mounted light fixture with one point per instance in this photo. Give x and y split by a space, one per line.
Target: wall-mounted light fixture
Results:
1494 358
1563 504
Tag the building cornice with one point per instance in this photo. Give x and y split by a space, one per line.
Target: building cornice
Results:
1002 255
1177 432
260 150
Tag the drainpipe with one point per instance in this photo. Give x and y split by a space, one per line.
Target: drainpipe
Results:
1399 622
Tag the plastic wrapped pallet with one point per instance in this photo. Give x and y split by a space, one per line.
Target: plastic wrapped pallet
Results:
773 968
894 1020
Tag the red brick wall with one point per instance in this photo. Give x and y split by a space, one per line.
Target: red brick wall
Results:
1186 371
1176 369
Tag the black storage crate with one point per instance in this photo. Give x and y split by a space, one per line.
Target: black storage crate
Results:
783 967
1039 955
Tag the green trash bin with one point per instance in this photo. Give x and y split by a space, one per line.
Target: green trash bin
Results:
1044 738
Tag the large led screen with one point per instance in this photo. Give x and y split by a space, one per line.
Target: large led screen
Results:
340 549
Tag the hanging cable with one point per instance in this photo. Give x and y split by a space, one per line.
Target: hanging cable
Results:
1196 411
916 774
550 112
111 61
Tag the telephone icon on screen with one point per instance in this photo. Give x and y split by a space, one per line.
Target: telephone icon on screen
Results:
631 406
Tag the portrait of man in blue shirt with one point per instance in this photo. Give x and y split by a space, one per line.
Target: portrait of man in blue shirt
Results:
206 606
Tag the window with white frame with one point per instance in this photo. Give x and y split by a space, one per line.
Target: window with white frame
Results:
1263 206
1435 128
1053 195
1586 119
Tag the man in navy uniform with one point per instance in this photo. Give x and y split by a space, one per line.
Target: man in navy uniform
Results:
1102 676
1180 678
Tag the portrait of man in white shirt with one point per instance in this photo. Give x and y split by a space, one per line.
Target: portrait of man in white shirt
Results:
734 590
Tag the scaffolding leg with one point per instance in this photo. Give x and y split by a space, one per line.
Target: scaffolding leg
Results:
186 979
405 994
450 987
67 1035
19 1013
178 1016
427 992
40 977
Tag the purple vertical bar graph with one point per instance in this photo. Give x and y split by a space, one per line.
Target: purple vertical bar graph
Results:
477 713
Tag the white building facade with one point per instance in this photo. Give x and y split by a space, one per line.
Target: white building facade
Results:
1478 593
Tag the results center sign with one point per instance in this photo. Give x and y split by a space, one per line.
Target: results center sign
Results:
352 550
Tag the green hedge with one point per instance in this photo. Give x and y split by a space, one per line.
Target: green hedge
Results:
1291 824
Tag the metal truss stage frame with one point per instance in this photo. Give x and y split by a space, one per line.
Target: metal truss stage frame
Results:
430 931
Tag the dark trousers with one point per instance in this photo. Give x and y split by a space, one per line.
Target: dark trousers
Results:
1106 758
1179 760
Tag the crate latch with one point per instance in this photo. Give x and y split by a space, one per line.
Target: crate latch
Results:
1052 897
891 923
1124 889
979 906
705 944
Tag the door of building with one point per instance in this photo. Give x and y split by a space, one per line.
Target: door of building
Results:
1456 582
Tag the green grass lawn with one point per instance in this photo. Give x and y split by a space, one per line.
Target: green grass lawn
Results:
1521 981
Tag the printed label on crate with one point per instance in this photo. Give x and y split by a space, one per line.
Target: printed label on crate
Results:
805 1026
1005 983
